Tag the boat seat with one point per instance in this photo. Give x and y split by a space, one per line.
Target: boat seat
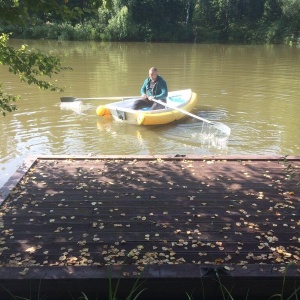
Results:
175 100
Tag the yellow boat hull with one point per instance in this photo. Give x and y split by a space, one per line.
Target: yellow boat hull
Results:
167 116
150 117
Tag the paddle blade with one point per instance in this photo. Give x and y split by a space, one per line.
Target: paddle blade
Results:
68 99
222 127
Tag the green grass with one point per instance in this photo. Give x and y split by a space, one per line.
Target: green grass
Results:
227 294
135 291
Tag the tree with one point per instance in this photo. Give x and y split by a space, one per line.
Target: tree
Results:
291 8
159 20
32 65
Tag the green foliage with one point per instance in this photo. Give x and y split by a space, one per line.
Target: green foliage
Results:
28 11
271 11
161 20
248 21
290 8
31 66
274 33
7 102
89 30
117 28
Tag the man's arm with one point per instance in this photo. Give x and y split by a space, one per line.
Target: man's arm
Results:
144 88
164 90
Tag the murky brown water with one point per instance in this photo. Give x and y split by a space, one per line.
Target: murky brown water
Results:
254 90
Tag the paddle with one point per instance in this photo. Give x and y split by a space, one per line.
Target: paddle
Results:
222 127
73 99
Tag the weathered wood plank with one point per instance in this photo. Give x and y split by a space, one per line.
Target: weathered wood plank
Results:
231 214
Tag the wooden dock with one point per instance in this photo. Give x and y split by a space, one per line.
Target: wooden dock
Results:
197 226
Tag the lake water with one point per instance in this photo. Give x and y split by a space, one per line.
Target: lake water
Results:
254 90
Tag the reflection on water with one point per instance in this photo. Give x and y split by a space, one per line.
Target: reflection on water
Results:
252 89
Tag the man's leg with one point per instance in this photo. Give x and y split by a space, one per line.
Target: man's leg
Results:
157 106
140 103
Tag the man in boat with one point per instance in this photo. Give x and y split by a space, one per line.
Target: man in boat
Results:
154 87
